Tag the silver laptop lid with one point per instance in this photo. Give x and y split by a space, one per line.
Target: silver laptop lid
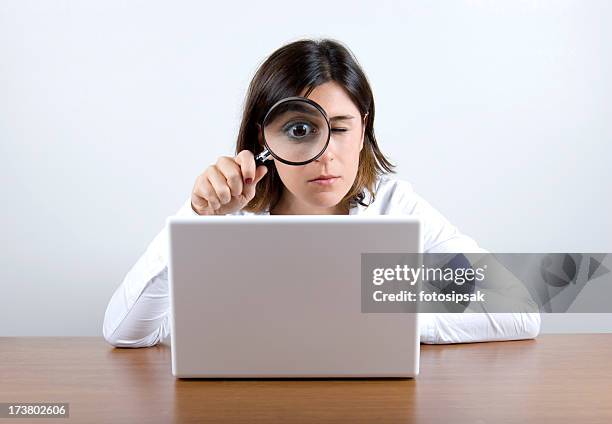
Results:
280 296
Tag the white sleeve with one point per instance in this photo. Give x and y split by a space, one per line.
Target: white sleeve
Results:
137 314
440 236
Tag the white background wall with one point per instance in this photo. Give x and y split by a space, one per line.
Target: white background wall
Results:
497 112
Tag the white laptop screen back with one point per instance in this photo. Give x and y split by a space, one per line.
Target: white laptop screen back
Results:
280 296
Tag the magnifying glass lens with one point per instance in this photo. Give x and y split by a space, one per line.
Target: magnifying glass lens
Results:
296 131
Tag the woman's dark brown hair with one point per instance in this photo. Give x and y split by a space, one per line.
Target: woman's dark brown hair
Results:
293 68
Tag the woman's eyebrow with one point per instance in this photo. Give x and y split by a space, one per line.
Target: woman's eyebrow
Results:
341 118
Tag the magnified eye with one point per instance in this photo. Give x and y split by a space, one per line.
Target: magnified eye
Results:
299 130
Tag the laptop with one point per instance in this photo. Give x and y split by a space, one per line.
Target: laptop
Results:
260 296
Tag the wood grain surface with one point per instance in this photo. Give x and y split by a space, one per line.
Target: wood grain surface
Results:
553 379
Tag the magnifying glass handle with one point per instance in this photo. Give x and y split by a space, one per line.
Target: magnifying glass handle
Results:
261 158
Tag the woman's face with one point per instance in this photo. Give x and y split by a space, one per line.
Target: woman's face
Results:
340 159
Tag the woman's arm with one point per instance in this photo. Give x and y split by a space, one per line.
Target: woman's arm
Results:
440 236
483 326
137 314
478 327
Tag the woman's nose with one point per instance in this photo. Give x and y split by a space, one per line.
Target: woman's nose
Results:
325 157
329 153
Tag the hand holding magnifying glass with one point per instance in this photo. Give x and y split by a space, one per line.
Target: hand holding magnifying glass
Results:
296 131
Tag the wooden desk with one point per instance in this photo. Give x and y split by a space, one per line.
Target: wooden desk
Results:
555 378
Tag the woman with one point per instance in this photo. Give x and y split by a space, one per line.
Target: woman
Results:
350 177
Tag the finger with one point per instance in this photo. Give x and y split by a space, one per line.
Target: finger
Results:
249 189
231 171
246 160
207 193
219 184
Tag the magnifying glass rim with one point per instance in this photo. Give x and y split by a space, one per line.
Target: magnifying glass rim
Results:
300 99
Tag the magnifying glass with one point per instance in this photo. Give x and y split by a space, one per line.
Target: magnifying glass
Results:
296 131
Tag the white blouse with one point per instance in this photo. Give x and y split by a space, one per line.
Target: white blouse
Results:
137 314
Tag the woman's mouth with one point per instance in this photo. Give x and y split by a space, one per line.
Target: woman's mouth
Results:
324 180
